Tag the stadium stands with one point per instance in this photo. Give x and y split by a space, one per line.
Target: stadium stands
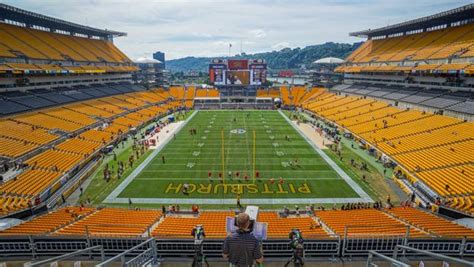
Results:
43 120
190 92
113 222
177 92
279 227
437 44
431 223
450 180
55 160
358 223
292 96
285 95
365 223
36 44
49 222
30 183
438 99
180 227
50 133
214 224
433 148
28 132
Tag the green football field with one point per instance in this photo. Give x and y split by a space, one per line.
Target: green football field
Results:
243 142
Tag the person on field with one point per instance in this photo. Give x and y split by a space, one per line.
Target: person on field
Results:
186 189
238 201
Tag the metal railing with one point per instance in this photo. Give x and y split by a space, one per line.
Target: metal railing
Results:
353 245
394 262
149 254
68 256
33 247
431 254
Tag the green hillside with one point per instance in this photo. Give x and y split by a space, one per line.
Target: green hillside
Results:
286 58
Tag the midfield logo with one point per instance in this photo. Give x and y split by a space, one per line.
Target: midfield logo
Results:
238 131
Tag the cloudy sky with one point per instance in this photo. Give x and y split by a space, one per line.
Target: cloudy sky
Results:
206 27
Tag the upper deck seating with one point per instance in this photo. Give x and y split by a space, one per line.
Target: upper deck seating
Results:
18 41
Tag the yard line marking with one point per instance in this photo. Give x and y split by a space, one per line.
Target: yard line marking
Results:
181 179
292 171
116 192
344 175
247 143
223 155
254 154
276 159
236 152
231 201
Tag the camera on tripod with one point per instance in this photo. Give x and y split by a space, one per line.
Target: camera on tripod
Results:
199 257
296 239
296 244
198 234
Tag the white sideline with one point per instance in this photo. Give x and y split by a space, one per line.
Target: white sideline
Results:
112 196
364 196
227 201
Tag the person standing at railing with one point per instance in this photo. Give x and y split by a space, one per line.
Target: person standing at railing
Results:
242 248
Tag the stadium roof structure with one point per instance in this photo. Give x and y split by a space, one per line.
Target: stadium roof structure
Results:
329 60
144 60
464 13
30 18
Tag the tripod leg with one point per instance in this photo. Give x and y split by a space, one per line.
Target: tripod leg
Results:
298 261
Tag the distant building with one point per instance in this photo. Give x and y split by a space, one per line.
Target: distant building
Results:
161 57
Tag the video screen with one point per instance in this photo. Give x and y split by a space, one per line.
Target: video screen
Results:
216 74
237 77
258 77
237 72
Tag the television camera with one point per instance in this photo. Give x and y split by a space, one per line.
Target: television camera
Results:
199 258
296 244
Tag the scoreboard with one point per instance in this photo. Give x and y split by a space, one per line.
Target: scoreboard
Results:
237 72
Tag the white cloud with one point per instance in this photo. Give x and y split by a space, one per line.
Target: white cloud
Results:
280 46
258 33
205 27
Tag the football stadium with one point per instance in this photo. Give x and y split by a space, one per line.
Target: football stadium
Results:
376 169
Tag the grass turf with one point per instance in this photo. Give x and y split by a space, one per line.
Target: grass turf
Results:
217 149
